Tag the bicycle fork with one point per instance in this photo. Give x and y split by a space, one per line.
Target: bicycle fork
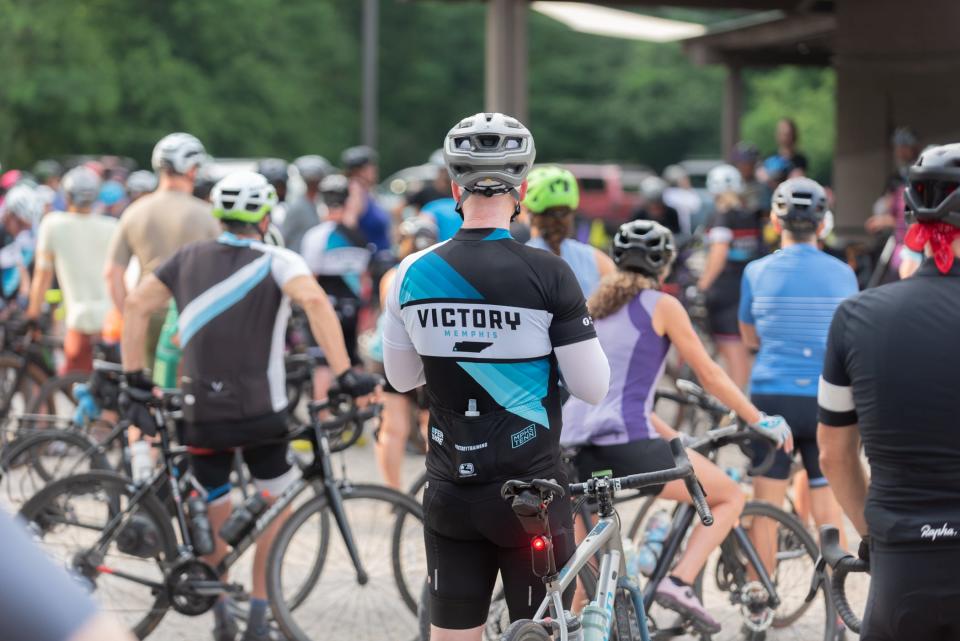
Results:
335 500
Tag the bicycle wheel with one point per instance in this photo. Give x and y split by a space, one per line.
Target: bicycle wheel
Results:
407 551
67 518
340 605
736 598
33 460
17 398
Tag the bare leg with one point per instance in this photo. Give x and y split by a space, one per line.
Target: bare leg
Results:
264 543
726 502
217 513
392 438
736 360
763 531
442 634
801 496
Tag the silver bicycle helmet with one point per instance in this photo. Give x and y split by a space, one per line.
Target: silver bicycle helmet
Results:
179 153
489 154
800 204
81 185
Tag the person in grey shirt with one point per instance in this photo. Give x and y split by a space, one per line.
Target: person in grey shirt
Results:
29 582
302 214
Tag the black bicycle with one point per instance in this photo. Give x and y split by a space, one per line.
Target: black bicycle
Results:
120 539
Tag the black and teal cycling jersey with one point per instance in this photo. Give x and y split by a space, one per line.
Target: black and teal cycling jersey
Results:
485 313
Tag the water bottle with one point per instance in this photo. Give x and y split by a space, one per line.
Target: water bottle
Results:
141 463
631 558
733 473
595 622
654 535
167 358
243 519
200 530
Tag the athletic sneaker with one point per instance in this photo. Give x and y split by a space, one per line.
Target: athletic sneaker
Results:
676 595
225 629
267 634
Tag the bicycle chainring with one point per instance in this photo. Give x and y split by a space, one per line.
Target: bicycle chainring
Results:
181 584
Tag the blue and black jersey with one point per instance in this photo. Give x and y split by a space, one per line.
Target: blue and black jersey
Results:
485 313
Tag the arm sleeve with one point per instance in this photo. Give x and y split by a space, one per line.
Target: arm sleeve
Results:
585 370
571 322
746 299
402 364
835 395
27 580
119 252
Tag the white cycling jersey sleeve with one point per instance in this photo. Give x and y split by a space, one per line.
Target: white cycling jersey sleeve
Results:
586 372
401 362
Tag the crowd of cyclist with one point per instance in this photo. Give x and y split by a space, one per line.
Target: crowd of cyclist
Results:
178 263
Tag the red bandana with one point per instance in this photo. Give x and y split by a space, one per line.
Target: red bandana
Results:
940 235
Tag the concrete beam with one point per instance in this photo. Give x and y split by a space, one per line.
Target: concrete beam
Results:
505 70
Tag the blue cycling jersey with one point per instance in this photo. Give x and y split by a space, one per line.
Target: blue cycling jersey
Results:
582 260
790 297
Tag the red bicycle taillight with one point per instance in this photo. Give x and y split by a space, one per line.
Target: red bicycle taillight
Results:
538 543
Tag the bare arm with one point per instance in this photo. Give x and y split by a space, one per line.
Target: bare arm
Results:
716 261
840 461
149 297
665 431
42 279
671 318
116 285
604 263
748 333
324 324
101 628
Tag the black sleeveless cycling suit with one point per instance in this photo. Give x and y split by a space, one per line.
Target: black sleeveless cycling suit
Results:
485 313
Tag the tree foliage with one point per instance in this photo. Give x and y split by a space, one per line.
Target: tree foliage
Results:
265 77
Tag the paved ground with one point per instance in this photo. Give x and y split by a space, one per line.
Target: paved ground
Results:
339 609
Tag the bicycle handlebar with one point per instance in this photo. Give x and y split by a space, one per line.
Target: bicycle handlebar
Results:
842 563
344 414
683 470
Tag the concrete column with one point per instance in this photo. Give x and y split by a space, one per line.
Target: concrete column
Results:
371 20
506 58
732 109
906 75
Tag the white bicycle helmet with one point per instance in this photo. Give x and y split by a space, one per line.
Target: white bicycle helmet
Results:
243 196
141 182
489 154
313 168
724 178
178 152
81 186
23 202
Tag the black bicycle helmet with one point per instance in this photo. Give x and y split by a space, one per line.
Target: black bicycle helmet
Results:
274 170
643 246
932 193
800 204
355 157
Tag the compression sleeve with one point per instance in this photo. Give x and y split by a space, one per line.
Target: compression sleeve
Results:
401 362
746 299
585 370
835 396
27 580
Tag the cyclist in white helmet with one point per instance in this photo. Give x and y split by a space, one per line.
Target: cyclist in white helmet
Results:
158 224
736 238
20 214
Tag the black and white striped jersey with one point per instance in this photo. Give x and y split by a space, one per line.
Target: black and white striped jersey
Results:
485 314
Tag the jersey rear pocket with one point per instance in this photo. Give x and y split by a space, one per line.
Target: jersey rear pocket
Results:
492 447
210 399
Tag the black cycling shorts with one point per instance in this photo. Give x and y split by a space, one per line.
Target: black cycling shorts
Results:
723 305
471 534
801 414
635 457
914 594
265 462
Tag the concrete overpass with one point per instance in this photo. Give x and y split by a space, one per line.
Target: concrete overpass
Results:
897 63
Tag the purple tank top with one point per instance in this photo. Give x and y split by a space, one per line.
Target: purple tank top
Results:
637 357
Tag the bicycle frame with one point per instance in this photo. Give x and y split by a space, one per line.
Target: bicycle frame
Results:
604 540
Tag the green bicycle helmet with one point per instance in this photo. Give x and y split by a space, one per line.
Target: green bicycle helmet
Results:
549 187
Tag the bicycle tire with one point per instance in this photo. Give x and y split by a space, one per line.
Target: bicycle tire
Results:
626 621
45 402
526 630
789 524
33 373
27 450
391 503
37 508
